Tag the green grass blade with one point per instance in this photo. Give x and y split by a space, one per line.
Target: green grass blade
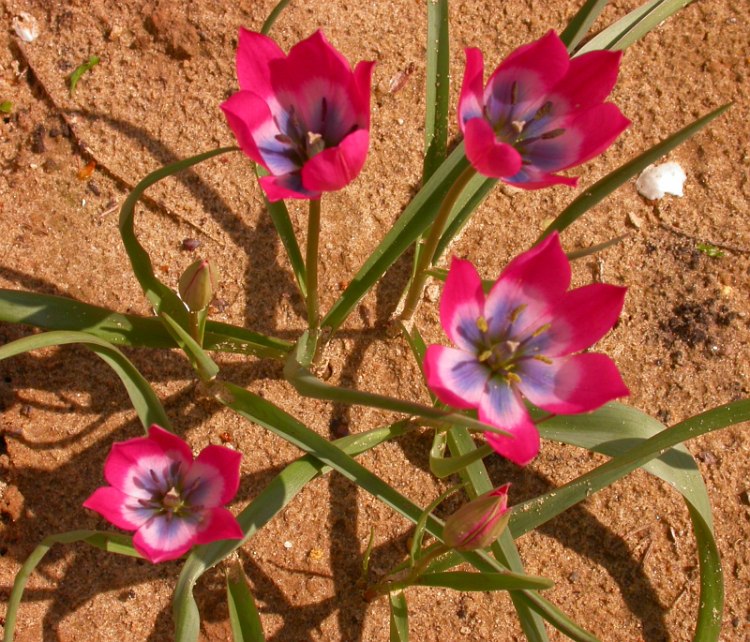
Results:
399 618
634 25
144 399
415 219
243 614
272 17
161 297
438 87
464 581
602 188
111 542
61 313
580 23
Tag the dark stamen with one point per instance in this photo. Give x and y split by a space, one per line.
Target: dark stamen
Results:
283 138
543 111
514 93
552 134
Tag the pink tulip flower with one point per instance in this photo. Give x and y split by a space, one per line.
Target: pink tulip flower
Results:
518 341
480 522
539 113
171 501
304 117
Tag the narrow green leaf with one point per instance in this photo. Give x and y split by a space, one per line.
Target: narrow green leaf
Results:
243 614
78 72
437 101
442 466
162 298
463 581
418 536
580 23
111 542
602 188
143 398
399 619
634 25
203 364
272 17
61 313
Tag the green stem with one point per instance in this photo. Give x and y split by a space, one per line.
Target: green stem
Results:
311 266
416 287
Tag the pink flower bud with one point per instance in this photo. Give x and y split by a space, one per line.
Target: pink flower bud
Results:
197 285
478 523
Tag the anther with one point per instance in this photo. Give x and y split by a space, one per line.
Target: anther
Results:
482 324
514 93
513 316
543 359
552 134
485 355
541 329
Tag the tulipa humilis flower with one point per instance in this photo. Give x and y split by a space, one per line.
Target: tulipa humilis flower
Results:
170 500
480 522
518 341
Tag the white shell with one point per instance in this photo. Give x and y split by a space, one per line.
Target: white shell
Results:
657 180
26 27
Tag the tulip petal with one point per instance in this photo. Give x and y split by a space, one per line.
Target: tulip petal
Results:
455 376
254 54
278 188
571 385
501 406
489 156
216 471
118 508
528 286
246 113
218 524
596 128
582 317
522 82
336 167
164 537
461 305
590 79
138 467
362 93
470 104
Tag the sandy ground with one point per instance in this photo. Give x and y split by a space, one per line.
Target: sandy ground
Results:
624 562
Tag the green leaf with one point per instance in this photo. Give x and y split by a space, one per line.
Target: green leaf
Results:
442 466
6 107
92 62
111 542
61 313
399 619
710 250
243 614
162 298
437 101
602 188
272 17
463 581
203 364
143 398
620 432
580 24
634 25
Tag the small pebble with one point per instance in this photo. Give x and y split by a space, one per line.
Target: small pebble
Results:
657 180
288 545
190 245
26 27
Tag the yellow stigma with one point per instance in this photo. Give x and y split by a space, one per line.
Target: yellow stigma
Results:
482 324
518 125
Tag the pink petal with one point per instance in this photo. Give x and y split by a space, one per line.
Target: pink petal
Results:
582 317
278 188
596 129
254 54
246 113
520 85
572 385
470 104
502 406
362 84
129 464
218 524
170 443
336 167
218 470
455 376
535 279
486 153
461 304
590 79
118 508
162 538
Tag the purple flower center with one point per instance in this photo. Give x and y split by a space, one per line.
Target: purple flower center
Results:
169 495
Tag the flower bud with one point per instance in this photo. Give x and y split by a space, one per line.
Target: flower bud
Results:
478 523
197 285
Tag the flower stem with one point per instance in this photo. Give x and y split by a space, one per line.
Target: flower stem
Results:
311 265
414 294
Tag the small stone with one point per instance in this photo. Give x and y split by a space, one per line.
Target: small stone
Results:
288 545
26 27
707 457
635 221
657 180
189 245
